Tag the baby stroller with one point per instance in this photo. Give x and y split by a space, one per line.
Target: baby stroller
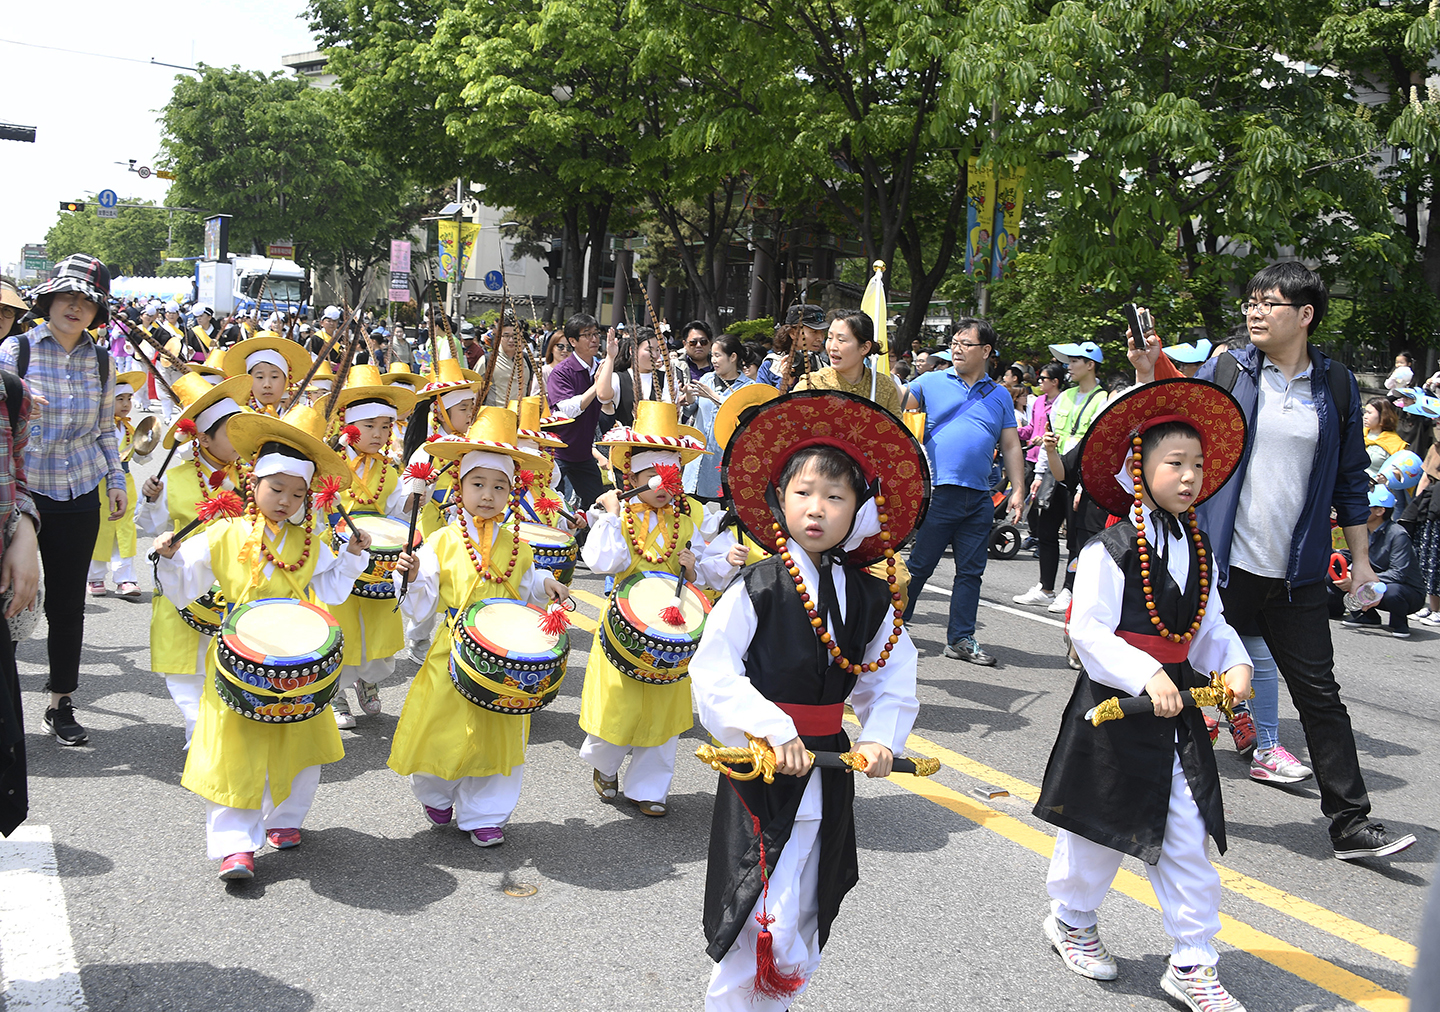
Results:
1005 537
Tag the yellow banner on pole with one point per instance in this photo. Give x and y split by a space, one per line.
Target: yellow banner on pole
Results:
1009 202
873 306
979 218
457 242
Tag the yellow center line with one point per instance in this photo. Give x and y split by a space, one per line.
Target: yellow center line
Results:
1303 910
1322 973
588 597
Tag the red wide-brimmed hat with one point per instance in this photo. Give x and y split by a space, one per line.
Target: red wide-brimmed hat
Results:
1107 447
883 447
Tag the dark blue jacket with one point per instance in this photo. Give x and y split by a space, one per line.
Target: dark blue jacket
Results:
1337 476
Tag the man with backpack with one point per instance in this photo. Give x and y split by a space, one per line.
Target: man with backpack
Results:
1269 527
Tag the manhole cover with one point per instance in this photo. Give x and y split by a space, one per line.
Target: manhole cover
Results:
521 890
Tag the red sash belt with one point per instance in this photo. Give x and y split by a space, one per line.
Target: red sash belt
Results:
815 720
1163 650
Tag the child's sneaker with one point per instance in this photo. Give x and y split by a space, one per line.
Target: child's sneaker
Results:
237 867
97 588
1242 732
1199 989
487 836
128 591
369 695
283 839
344 719
1213 726
1081 949
439 816
1278 766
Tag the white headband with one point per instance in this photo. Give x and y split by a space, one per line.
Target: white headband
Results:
223 408
406 383
528 444
650 458
267 355
455 397
484 458
374 409
283 463
122 388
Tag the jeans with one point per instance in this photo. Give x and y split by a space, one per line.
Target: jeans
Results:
1295 624
1265 707
584 478
960 518
1398 601
66 539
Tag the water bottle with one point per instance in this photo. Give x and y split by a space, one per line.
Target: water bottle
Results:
1364 596
35 443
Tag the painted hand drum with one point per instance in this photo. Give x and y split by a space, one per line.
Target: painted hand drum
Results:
206 613
638 641
387 540
278 660
553 549
502 660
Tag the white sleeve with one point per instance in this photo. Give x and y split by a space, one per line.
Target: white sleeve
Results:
712 569
334 577
1216 645
727 702
187 574
614 390
151 518
395 501
1108 659
884 699
605 549
569 407
532 586
423 595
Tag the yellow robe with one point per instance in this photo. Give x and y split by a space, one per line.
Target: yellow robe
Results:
624 710
122 531
230 755
372 627
440 732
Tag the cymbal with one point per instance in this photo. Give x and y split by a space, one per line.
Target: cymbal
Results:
147 437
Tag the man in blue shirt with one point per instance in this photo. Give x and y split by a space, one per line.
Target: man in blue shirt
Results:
969 415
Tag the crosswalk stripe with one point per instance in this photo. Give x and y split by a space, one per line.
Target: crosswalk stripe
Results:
38 972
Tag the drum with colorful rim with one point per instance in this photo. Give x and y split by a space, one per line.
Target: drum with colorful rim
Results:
387 540
278 660
206 612
553 549
638 642
501 659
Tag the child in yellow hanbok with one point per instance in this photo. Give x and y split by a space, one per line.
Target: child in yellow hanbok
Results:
622 715
273 363
115 543
542 503
207 465
258 763
445 408
374 630
464 761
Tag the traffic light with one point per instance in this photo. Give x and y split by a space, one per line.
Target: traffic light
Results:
72 205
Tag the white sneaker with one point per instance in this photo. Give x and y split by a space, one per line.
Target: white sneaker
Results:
1061 604
1200 990
1035 595
1432 619
1277 765
1081 949
344 719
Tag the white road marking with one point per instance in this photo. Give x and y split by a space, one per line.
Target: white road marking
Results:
38 972
1042 619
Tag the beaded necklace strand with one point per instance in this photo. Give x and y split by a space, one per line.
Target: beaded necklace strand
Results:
1143 546
485 570
782 544
253 513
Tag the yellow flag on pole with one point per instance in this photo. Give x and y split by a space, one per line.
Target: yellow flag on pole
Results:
873 306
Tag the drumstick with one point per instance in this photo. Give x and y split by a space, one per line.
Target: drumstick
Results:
671 613
329 495
425 473
224 503
667 476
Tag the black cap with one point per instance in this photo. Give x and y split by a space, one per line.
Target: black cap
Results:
810 316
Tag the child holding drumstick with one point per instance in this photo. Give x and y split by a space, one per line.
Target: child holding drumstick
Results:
115 543
466 762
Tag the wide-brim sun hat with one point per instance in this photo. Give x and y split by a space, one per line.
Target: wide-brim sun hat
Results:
302 428
657 427
297 359
197 393
76 273
495 430
364 383
770 434
1109 444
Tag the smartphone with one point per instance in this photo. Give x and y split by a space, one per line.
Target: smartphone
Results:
1138 320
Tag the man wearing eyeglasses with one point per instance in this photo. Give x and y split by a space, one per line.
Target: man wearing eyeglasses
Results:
1269 530
968 415
579 386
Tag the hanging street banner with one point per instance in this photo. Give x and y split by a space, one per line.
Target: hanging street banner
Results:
1009 202
457 242
399 270
979 219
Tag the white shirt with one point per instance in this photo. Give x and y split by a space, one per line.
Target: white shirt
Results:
571 407
423 597
188 574
607 550
152 518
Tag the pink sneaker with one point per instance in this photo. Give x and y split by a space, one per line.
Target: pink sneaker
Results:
238 867
97 588
487 836
1278 766
283 839
439 816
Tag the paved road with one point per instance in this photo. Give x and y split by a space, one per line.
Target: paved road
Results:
378 910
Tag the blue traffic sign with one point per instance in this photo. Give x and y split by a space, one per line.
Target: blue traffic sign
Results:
494 281
107 198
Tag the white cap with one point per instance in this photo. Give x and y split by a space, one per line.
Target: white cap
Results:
172 307
200 309
332 312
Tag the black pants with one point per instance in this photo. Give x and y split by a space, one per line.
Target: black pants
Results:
67 540
1045 528
14 794
1296 626
1081 524
584 478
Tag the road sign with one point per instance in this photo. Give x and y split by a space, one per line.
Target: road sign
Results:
162 174
143 172
106 212
494 281
38 264
107 198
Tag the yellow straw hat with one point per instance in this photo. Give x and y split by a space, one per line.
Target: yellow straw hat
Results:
197 393
495 430
657 427
134 379
302 428
728 417
364 383
294 354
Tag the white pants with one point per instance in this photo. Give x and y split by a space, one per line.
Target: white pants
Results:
242 830
479 802
421 633
794 902
186 690
1185 882
123 570
651 768
376 669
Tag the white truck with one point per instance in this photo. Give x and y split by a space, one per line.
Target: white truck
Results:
270 286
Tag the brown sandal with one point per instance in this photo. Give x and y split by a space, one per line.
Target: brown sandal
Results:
608 789
655 809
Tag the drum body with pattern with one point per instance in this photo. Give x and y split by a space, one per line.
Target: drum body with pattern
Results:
278 660
501 659
638 642
553 549
387 540
206 613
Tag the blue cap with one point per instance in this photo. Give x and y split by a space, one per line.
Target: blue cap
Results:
1402 469
1190 354
945 355
1426 407
1381 496
1086 349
